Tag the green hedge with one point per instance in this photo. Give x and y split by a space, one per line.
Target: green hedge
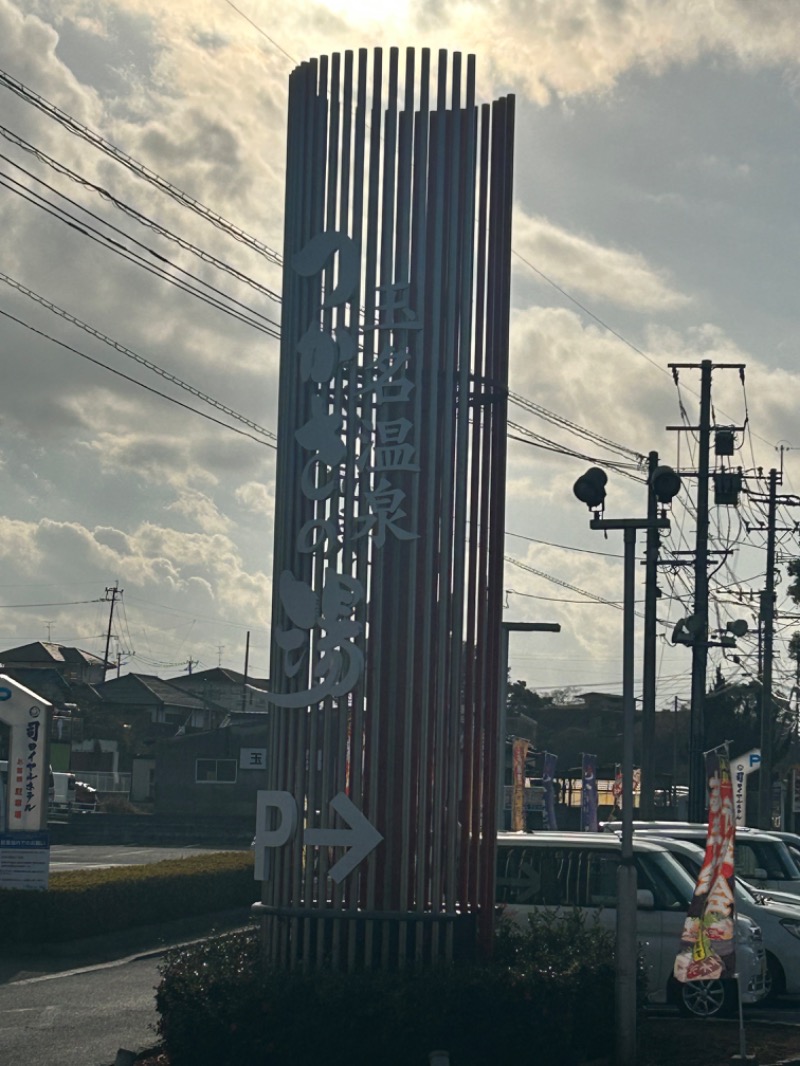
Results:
547 996
82 903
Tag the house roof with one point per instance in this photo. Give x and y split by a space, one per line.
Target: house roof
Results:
46 652
147 689
217 675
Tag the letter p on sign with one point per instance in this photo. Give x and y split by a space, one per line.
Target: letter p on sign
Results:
285 806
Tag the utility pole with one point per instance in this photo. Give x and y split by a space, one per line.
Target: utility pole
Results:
699 642
648 755
112 594
246 667
767 625
697 775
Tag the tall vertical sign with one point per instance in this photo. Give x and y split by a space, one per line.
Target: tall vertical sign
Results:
24 842
387 591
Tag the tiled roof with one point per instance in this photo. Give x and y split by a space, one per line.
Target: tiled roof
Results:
147 688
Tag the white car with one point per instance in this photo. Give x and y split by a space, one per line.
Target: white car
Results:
554 871
779 922
762 859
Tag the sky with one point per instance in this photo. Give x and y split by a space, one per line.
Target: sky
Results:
656 169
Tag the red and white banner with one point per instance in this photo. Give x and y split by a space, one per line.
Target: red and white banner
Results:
708 942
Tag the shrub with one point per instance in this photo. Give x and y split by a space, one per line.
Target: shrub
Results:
551 989
82 903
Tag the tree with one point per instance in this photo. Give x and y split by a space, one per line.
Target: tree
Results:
733 713
793 570
522 701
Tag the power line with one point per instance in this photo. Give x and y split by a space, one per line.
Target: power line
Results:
587 434
126 377
138 216
65 603
262 32
86 230
138 169
135 356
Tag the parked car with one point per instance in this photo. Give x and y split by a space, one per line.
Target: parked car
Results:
779 922
62 791
792 842
762 859
554 871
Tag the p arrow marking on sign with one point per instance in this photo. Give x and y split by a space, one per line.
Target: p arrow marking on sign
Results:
360 838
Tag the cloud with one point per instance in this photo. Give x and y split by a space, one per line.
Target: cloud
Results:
580 264
202 511
256 497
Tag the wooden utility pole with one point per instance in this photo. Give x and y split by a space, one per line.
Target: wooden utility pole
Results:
648 754
112 594
767 625
700 629
697 775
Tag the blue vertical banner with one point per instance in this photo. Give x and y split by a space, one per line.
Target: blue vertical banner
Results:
548 782
589 823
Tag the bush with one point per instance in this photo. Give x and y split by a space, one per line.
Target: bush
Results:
81 903
551 989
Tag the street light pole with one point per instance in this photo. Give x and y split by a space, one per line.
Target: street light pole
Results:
591 490
502 717
626 938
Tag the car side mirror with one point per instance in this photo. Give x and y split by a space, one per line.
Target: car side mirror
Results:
645 900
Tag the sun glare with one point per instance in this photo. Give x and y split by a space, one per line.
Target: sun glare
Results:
361 12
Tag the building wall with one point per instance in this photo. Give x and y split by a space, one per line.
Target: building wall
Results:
178 790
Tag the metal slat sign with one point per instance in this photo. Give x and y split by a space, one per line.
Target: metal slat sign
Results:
389 492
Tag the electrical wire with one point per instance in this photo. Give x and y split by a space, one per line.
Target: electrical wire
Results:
268 325
141 384
138 169
135 356
138 216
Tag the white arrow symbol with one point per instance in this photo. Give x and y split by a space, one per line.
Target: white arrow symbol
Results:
361 837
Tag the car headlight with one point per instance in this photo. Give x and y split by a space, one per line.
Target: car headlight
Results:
791 925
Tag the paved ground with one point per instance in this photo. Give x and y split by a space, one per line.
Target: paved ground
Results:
146 940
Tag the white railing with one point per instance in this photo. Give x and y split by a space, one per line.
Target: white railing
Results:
104 780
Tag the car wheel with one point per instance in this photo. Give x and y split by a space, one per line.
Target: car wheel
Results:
707 999
774 980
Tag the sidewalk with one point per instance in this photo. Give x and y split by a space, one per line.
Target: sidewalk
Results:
143 940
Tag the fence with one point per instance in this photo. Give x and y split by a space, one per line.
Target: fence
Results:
105 780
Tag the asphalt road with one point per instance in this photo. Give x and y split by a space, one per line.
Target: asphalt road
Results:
88 856
79 1017
79 1004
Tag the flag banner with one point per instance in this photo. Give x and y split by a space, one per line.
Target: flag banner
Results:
637 781
548 783
616 788
519 757
589 823
708 942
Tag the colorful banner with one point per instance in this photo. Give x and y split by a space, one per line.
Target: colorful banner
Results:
708 941
616 788
548 779
589 823
519 757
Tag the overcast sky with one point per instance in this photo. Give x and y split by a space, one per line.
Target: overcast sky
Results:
655 222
